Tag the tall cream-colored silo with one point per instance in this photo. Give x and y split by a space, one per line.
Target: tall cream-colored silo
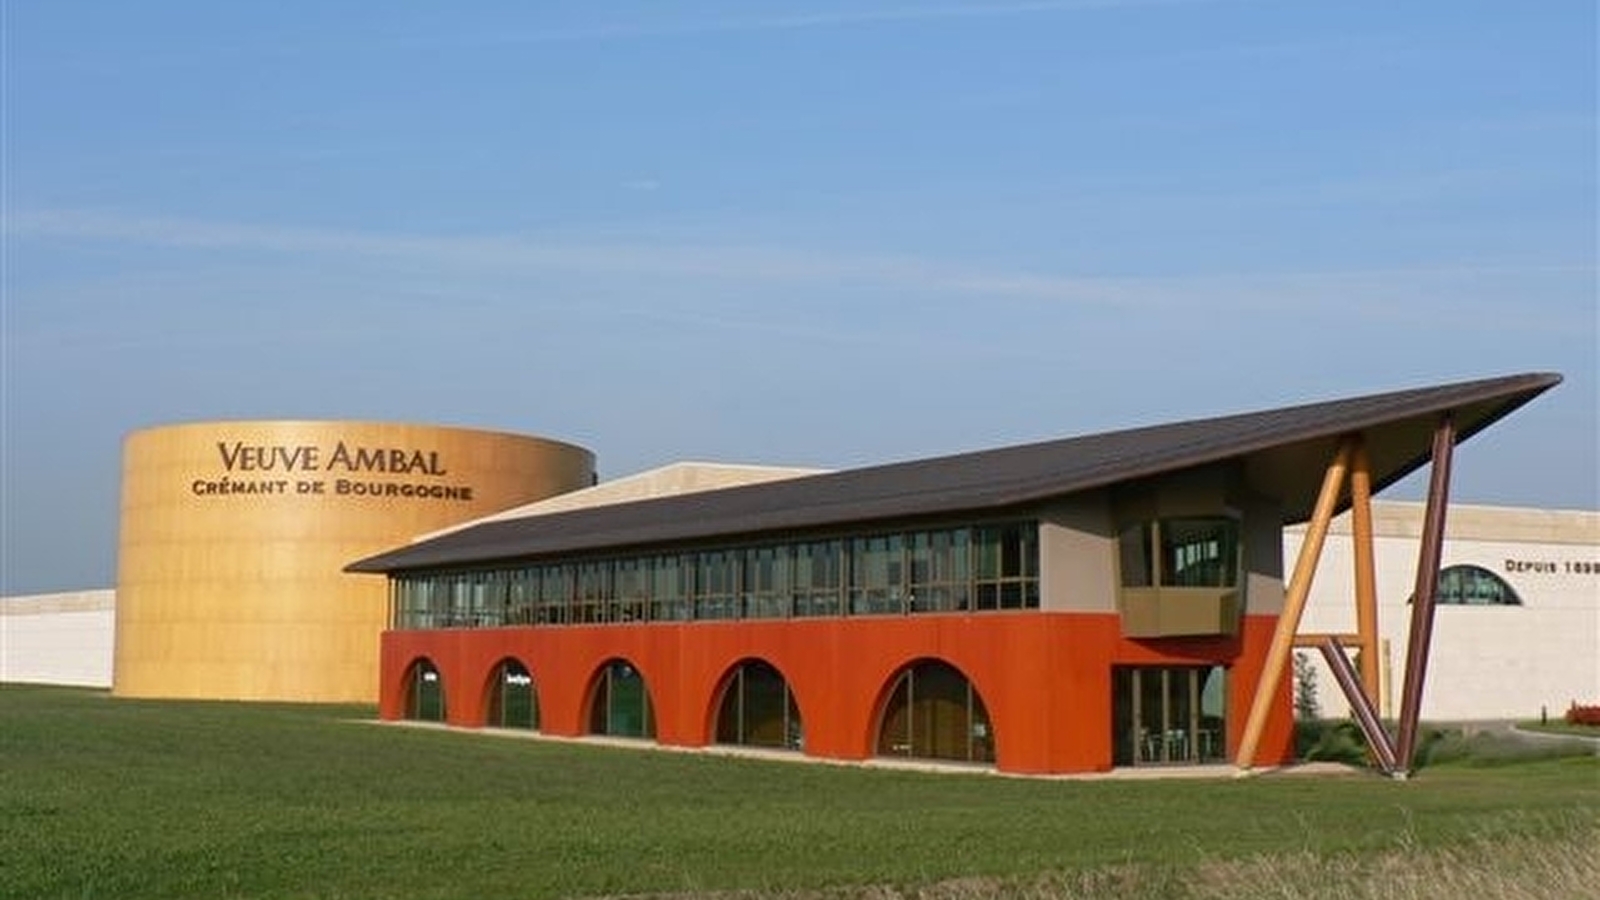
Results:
235 534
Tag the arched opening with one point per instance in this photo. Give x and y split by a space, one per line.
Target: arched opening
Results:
513 701
758 709
424 692
1469 585
621 706
934 712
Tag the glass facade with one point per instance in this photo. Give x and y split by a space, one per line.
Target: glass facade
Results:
935 713
960 569
1168 714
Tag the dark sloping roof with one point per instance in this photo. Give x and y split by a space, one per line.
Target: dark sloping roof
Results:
1285 450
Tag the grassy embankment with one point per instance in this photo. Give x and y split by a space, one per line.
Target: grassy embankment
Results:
129 799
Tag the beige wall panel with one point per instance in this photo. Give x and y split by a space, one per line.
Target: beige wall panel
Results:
241 595
1078 555
1263 556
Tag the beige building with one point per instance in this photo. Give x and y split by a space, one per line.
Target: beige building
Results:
1517 628
234 534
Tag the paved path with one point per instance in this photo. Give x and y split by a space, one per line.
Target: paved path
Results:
1531 734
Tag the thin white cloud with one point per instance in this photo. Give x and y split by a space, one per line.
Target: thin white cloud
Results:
1455 294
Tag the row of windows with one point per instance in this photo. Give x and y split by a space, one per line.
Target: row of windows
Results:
988 567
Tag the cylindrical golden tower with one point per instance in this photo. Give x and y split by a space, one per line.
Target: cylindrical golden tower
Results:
235 534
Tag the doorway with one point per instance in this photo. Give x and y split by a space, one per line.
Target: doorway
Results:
1168 715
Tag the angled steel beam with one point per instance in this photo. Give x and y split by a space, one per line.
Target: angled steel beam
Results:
1294 603
1424 594
1360 704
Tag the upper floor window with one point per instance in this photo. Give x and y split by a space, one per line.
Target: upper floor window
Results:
1198 552
1468 585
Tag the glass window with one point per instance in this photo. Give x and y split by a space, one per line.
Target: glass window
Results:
816 574
555 594
622 706
512 701
460 615
758 710
817 578
1007 561
1468 585
487 592
438 592
522 594
877 574
424 692
593 592
935 713
1168 714
1199 552
940 565
630 598
671 578
413 608
716 580
766 582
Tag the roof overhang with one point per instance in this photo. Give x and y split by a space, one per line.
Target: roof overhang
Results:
1283 453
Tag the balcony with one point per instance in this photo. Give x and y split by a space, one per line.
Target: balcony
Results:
1164 612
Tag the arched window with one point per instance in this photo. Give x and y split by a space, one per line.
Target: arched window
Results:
513 703
1468 585
621 705
935 713
424 692
758 710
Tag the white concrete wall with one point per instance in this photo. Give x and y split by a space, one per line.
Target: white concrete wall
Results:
1486 662
58 638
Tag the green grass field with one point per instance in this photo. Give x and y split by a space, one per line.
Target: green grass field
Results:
103 798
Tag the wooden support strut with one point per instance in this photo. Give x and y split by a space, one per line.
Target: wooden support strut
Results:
1293 605
1314 639
1365 577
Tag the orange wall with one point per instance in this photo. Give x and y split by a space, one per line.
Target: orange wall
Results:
1044 677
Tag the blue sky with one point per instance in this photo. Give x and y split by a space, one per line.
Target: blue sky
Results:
807 233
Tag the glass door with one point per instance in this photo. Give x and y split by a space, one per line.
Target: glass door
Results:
1168 715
